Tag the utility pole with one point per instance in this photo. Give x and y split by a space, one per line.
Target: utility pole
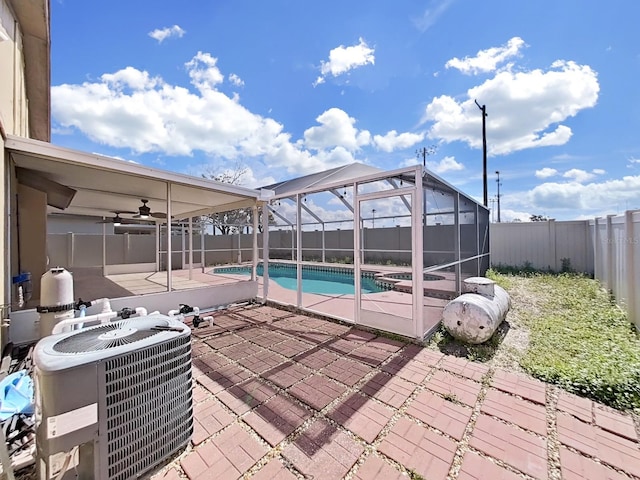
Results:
373 218
498 182
483 108
424 152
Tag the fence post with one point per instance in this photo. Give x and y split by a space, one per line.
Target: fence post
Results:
630 246
125 247
609 254
596 249
552 242
71 247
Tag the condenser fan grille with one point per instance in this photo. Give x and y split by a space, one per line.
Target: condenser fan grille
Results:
110 335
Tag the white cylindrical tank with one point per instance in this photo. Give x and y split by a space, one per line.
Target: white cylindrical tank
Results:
56 299
474 316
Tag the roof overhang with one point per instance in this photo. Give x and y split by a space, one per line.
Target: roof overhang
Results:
104 185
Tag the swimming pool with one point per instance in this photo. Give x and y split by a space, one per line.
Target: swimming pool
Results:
321 280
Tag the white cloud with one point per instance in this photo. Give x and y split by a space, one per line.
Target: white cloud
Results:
431 14
336 129
508 215
203 71
131 109
587 197
393 141
599 171
633 162
342 59
546 172
487 60
447 164
161 34
578 175
524 108
236 80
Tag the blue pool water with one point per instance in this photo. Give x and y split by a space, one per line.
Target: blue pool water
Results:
314 280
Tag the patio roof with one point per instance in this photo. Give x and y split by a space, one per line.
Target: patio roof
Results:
103 185
316 181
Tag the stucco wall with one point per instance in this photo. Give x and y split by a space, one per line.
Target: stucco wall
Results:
13 96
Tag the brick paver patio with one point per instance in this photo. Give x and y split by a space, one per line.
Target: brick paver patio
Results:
278 395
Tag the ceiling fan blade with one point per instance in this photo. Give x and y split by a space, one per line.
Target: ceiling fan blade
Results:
158 215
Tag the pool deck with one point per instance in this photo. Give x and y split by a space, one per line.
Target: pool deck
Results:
89 284
279 395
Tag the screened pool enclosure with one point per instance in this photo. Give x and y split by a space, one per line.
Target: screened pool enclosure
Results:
407 232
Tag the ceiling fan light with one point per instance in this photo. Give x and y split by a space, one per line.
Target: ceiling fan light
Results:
116 223
143 215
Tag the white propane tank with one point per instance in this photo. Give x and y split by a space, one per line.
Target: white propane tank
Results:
474 316
56 299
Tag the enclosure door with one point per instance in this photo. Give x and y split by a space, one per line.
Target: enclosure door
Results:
387 253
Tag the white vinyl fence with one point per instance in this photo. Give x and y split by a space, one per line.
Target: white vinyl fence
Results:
616 245
607 248
542 245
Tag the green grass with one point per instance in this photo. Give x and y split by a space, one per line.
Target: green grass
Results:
581 340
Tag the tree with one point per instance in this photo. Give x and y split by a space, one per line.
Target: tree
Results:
233 221
227 222
539 218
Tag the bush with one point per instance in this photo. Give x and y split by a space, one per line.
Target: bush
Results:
585 343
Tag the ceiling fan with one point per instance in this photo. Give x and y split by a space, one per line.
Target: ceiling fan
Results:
117 220
144 211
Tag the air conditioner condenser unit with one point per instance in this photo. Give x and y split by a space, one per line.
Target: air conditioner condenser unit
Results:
114 400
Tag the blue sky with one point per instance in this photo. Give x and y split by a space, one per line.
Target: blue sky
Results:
285 88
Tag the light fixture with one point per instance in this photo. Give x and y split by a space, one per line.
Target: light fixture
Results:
144 210
117 220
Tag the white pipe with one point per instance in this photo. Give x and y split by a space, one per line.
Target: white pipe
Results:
173 313
100 317
141 311
106 304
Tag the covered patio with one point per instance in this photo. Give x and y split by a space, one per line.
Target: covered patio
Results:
47 180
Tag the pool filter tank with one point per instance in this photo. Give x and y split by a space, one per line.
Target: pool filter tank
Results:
474 316
56 299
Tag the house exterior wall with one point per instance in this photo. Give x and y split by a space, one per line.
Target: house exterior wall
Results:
13 120
24 111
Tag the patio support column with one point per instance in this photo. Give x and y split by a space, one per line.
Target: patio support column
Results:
254 268
202 237
169 246
104 247
417 245
299 249
265 252
456 220
157 247
190 248
596 250
182 244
